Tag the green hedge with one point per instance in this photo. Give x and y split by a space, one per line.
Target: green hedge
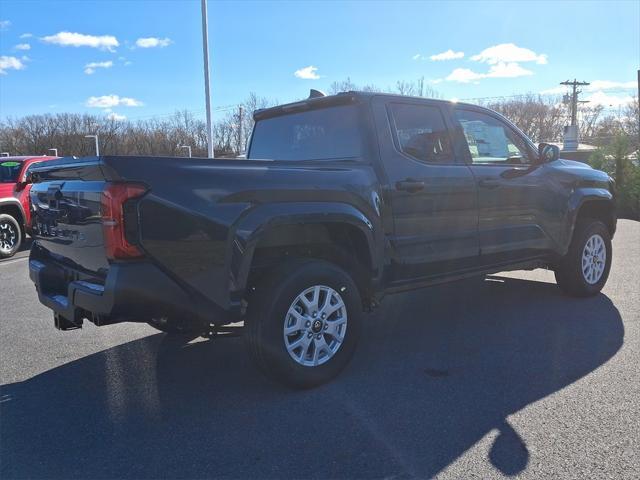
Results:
623 165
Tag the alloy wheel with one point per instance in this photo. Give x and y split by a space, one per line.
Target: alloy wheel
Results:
315 326
594 258
8 237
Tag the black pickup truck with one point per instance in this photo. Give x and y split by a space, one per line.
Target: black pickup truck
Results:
341 200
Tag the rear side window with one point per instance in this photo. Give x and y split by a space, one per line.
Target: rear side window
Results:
421 132
9 171
324 133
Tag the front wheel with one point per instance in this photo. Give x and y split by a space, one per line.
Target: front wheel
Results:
10 236
303 323
584 270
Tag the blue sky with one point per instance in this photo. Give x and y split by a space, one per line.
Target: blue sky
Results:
147 55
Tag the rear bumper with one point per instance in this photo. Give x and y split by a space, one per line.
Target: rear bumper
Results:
135 292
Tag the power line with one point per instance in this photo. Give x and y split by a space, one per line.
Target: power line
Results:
533 94
178 111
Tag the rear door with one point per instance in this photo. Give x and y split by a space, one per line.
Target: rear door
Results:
431 191
513 191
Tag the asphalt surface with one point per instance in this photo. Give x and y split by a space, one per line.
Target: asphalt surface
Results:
477 379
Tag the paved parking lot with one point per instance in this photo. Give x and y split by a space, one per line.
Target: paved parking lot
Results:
481 379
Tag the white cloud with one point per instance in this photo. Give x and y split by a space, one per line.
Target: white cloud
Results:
508 52
499 70
4 24
307 73
448 55
23 46
597 85
152 42
554 91
594 86
90 68
464 75
70 39
109 101
606 100
417 56
507 70
26 35
11 63
116 117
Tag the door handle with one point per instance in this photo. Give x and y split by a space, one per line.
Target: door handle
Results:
410 185
489 183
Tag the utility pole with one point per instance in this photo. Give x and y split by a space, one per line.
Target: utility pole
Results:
574 98
240 118
207 93
571 140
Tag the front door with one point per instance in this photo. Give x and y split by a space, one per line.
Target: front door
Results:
432 193
513 190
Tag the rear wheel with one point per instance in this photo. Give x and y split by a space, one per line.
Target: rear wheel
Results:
303 323
584 270
10 236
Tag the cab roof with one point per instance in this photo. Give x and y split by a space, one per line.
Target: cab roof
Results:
341 98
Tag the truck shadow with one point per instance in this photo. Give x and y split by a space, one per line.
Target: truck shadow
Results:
436 371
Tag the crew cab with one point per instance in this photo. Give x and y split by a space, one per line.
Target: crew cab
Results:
340 201
14 201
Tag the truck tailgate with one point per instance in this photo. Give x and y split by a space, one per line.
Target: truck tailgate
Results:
67 221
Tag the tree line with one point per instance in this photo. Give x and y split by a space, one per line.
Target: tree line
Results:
542 118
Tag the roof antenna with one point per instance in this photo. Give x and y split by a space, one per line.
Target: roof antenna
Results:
313 93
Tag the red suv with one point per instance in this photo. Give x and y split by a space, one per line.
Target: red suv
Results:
15 216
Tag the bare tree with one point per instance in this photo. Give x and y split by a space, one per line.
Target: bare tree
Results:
541 119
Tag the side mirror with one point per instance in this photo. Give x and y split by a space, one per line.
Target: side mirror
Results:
548 153
27 180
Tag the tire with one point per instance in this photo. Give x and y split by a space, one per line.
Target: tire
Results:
585 280
317 358
10 236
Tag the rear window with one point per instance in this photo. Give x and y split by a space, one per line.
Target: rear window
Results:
310 135
9 171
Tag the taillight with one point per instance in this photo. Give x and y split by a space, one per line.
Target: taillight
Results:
117 232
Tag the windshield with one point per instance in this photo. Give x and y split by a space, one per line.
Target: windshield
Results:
9 171
324 133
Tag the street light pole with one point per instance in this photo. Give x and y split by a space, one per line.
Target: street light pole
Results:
188 147
95 137
207 94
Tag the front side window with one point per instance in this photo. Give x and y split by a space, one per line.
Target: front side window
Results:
9 171
490 141
421 132
325 133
